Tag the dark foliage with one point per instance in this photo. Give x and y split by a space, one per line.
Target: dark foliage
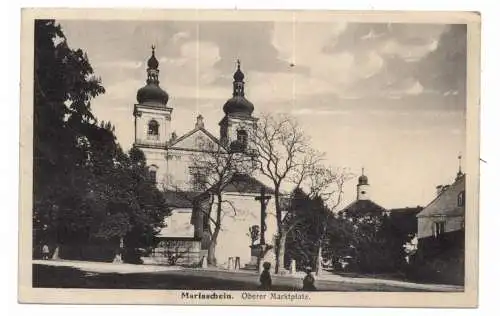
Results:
307 219
369 243
87 192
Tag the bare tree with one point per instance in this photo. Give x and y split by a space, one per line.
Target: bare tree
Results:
284 156
214 167
319 181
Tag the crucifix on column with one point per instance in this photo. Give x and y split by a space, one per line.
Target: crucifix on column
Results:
263 199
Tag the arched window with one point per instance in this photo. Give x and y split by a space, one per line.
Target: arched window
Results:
242 137
153 173
153 129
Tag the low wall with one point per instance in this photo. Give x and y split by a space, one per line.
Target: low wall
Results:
177 252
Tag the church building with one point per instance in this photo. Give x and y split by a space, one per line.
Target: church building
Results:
171 160
363 206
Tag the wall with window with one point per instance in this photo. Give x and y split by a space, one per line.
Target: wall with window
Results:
448 207
236 128
432 226
152 127
155 160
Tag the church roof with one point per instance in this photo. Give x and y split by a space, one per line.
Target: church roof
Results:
446 203
364 207
238 105
173 143
244 183
152 94
180 199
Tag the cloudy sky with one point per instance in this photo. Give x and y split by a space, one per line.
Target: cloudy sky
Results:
389 97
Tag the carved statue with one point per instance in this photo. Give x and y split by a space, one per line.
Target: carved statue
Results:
254 232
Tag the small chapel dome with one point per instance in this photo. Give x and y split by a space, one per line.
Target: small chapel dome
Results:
363 179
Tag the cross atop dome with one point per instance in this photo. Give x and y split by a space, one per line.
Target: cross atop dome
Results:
238 75
153 62
152 93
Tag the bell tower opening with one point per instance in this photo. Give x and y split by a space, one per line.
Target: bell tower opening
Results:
153 129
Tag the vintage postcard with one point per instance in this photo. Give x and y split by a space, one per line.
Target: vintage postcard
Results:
287 158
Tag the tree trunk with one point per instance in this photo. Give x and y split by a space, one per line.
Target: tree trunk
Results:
281 236
280 252
211 260
319 259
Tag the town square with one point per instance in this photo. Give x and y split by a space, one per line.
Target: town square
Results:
249 156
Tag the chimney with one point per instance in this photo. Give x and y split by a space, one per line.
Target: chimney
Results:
199 122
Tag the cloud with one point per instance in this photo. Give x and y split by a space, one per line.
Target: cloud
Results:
396 52
445 68
248 41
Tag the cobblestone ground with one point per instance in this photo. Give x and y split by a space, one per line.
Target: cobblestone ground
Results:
109 276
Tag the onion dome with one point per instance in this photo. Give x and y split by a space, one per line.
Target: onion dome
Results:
363 179
238 75
152 92
238 104
153 62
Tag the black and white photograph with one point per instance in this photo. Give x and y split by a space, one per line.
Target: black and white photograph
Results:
261 160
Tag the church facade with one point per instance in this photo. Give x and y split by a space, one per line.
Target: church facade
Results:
172 163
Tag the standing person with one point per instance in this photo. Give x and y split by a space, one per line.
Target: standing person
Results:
45 252
308 282
265 277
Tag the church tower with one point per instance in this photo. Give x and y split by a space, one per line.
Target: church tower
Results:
238 123
152 118
363 187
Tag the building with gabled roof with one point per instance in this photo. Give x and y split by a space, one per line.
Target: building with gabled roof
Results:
441 234
441 224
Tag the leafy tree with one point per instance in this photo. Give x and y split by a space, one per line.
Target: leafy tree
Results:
64 84
86 190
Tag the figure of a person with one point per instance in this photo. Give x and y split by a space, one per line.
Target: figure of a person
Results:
308 282
45 252
265 277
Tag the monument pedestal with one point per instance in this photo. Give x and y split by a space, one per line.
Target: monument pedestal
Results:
255 251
